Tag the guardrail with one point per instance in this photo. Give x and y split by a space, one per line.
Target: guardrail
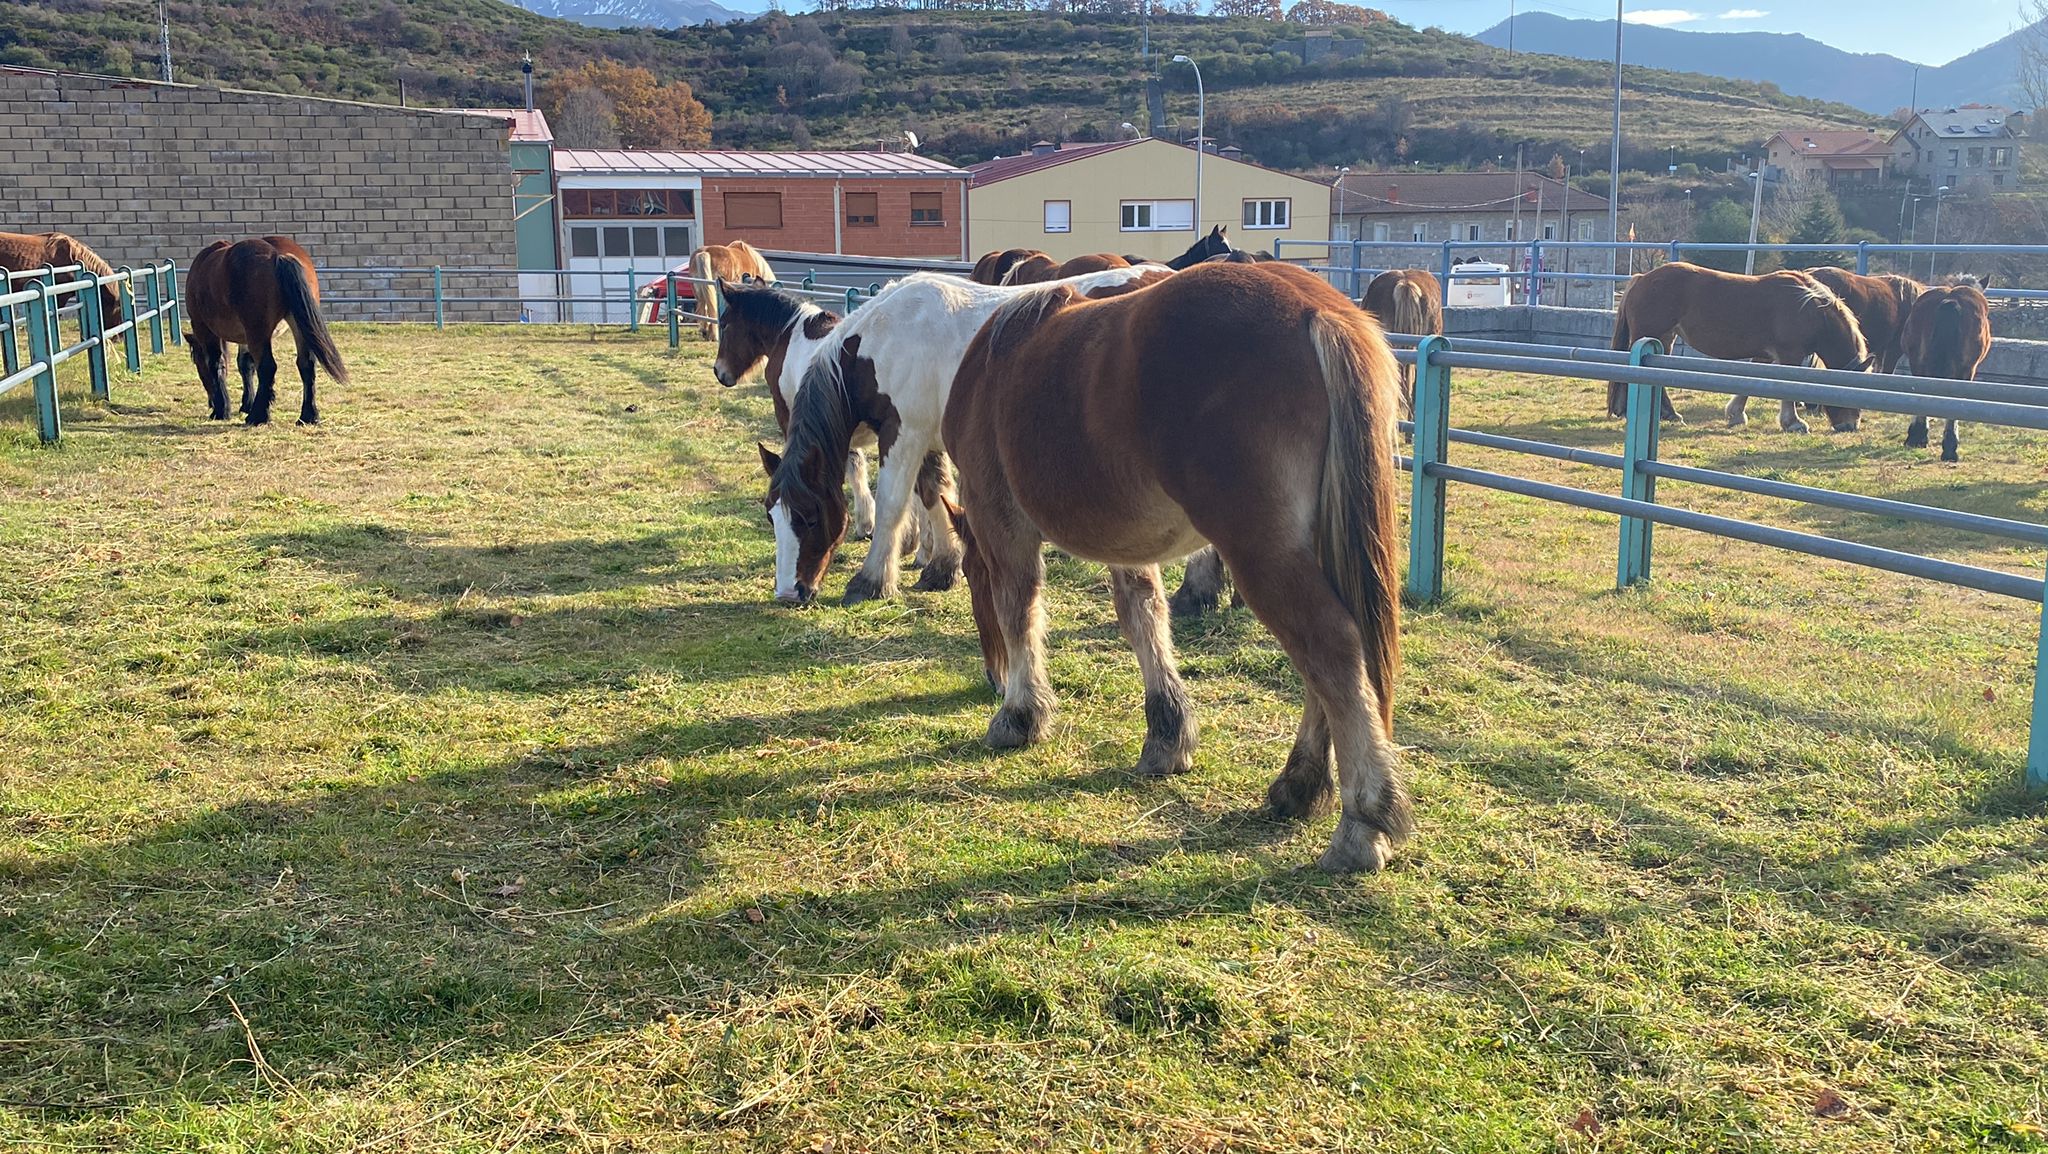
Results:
1538 277
35 311
1646 371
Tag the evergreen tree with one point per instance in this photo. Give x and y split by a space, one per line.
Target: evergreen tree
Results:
1820 222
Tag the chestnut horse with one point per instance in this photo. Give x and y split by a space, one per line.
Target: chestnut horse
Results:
239 293
994 266
1248 405
1039 268
886 372
1778 318
733 261
28 252
1406 300
1880 304
1948 334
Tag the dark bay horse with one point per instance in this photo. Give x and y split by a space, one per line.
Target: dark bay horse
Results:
1880 304
27 252
1779 318
1247 405
239 293
994 266
1406 300
1039 268
1948 334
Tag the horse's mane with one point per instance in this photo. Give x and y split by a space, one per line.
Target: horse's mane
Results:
822 419
63 248
1814 293
765 304
1037 300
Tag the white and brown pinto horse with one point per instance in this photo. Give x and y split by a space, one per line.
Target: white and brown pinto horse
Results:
885 372
760 325
1250 406
714 264
1948 334
1783 318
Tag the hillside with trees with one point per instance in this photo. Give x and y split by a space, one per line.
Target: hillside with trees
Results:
972 78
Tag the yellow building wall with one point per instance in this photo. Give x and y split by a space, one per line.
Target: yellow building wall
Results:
1011 213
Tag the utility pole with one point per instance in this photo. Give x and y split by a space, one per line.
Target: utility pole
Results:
1614 159
163 30
1511 27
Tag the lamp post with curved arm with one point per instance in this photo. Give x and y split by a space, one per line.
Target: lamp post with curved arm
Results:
1201 135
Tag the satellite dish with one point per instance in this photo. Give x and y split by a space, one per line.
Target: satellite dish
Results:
912 138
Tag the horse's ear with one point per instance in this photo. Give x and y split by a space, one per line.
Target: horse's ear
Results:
770 460
1984 282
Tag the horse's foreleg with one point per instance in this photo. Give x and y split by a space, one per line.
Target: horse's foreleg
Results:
893 491
309 410
1788 418
266 386
1287 589
246 365
1169 726
942 559
1948 442
207 356
1737 411
1916 433
1202 585
1305 783
863 498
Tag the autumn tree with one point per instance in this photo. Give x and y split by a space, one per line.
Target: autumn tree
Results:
647 112
1258 9
1329 13
584 118
1556 167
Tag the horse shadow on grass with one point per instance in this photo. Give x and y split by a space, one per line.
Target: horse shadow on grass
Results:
418 566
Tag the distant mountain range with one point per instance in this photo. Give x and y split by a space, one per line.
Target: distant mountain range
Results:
1797 64
634 13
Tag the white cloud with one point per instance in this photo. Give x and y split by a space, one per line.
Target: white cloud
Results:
1743 14
1661 17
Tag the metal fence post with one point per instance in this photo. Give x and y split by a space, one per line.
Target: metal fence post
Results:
1354 294
1432 445
173 310
10 319
632 301
2037 737
93 323
1639 443
156 315
852 300
675 323
1535 273
1446 302
810 281
41 325
1863 258
130 342
440 301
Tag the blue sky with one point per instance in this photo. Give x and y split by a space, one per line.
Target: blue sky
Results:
1918 31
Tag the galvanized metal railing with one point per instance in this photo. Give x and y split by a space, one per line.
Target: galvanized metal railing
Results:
1645 371
38 300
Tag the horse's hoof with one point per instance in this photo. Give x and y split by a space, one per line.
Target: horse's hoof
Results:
1169 763
1355 848
864 588
1916 440
312 420
1189 604
1795 427
258 418
1013 728
939 576
1299 792
1950 456
1737 422
1848 426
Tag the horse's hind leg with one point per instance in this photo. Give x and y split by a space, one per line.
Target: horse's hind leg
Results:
1012 552
246 365
863 497
1203 584
1948 442
1304 786
1169 726
1788 418
942 561
309 410
1916 433
208 353
1286 587
1737 411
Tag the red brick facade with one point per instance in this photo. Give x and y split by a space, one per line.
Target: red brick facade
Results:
809 208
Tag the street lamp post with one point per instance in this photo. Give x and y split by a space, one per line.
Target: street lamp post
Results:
1614 159
1201 136
1756 211
1932 257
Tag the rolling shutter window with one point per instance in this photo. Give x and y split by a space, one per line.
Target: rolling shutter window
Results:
753 210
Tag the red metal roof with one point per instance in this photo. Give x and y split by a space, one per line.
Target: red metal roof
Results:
1830 144
528 125
1005 167
654 162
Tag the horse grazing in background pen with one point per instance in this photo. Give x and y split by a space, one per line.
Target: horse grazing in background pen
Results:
994 266
735 261
1780 318
1249 406
30 252
1406 300
239 293
1947 335
885 372
1880 304
1039 268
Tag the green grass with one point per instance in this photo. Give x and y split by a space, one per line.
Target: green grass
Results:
441 779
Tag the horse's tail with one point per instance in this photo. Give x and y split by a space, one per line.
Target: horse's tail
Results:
302 308
1355 527
1624 339
1945 339
705 282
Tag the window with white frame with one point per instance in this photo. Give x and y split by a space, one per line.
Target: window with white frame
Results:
1472 231
1418 232
1586 230
1059 216
1267 213
1549 230
1382 231
1159 216
1514 229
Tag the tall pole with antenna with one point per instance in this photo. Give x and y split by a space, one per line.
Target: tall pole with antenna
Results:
163 30
1614 159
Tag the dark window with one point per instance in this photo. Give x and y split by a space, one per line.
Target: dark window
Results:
753 210
861 209
927 208
676 241
646 241
603 202
618 242
582 242
575 202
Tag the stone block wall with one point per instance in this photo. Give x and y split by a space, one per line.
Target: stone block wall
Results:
141 170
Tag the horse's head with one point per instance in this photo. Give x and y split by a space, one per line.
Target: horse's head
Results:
808 513
753 322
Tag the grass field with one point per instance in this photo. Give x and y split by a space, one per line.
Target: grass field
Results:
442 779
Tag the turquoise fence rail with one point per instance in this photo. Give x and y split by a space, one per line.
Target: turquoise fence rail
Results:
1647 371
34 341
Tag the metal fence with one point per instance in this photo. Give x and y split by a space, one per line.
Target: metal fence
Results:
38 302
1541 273
1646 371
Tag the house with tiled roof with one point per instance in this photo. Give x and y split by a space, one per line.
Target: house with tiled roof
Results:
1845 157
1138 197
1971 145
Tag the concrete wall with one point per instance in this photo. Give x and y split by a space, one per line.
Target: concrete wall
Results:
2011 362
142 170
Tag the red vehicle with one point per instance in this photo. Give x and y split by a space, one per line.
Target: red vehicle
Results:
656 295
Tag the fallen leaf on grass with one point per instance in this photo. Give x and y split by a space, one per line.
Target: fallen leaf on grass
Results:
755 915
1991 695
1585 1125
1830 1104
509 890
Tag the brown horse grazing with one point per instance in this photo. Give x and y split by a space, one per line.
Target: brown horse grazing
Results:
1948 334
1778 318
239 293
27 252
1407 300
1034 269
1880 304
1129 430
994 266
735 261
1041 268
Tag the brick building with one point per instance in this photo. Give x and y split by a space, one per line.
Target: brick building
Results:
1972 146
644 210
1843 159
144 170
